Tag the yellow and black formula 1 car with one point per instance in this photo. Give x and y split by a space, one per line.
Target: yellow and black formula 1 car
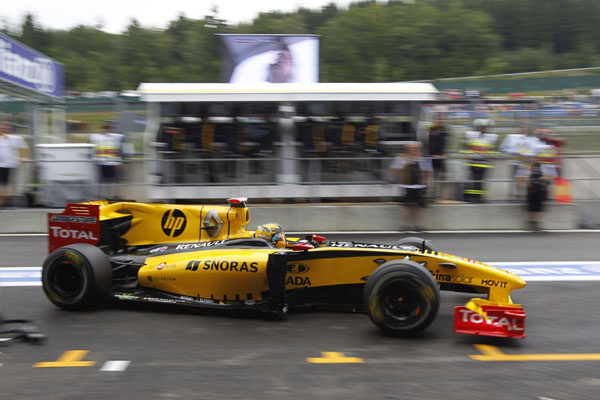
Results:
205 256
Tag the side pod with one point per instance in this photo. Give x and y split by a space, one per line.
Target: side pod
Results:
276 272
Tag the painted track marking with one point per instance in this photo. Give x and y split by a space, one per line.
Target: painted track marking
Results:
492 353
115 366
70 358
332 357
532 271
21 276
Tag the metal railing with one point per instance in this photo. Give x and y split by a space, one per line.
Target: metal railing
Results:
143 177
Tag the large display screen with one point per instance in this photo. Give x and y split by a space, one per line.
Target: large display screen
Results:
270 58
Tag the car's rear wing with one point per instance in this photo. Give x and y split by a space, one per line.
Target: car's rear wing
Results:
78 223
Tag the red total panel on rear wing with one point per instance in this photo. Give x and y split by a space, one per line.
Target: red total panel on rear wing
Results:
79 223
501 321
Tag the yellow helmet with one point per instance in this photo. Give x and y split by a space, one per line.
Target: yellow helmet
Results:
272 233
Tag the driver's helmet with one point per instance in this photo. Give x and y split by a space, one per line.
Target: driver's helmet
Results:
272 233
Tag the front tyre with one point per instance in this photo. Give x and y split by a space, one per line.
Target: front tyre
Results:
401 298
77 276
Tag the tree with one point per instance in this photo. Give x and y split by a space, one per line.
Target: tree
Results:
369 41
32 36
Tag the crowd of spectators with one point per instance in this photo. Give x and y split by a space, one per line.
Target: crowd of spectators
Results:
532 155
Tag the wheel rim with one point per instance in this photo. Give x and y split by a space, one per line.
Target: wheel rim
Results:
66 280
401 301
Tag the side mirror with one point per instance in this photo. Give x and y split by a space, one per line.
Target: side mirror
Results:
302 247
319 239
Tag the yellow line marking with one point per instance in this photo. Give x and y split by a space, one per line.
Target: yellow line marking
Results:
70 358
332 357
488 350
492 353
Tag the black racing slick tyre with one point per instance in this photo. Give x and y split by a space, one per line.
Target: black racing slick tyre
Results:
77 276
416 242
401 298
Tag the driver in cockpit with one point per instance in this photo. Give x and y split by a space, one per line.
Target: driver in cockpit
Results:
272 233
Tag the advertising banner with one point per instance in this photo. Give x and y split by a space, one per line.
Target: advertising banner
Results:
23 66
270 58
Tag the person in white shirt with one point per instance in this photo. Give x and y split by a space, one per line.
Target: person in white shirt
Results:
521 147
12 150
108 151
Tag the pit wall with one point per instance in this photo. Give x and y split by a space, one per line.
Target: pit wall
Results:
372 217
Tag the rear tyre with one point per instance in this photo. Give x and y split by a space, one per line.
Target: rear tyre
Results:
77 276
401 298
416 242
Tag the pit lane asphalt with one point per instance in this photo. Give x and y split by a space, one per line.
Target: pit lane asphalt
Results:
191 353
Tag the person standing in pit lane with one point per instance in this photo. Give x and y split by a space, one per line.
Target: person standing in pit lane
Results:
108 154
13 150
412 171
437 148
520 148
480 146
537 174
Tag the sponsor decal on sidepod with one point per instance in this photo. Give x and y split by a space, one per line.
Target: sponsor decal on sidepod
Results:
222 265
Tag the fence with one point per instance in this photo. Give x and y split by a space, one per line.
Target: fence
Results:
317 178
337 174
511 84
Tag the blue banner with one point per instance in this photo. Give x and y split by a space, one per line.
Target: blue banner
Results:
28 68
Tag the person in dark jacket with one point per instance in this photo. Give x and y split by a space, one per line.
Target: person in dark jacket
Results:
412 171
538 180
437 148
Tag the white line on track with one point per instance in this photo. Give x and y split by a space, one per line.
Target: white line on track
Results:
115 366
21 284
21 276
532 271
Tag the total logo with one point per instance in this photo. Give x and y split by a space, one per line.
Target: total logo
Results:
511 324
57 231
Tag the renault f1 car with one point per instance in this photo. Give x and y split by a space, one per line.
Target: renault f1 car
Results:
205 256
